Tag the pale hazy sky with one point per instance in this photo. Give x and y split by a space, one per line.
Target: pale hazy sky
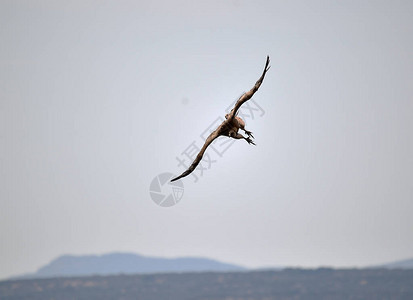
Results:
99 97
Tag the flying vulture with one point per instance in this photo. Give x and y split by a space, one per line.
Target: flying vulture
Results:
231 125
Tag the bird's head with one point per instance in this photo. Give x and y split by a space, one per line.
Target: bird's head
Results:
227 115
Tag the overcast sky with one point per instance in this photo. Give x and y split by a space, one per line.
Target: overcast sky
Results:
99 97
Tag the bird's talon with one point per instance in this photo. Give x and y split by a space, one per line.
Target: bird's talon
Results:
249 141
249 134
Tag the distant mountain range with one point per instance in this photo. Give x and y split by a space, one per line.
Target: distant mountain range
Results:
126 263
401 264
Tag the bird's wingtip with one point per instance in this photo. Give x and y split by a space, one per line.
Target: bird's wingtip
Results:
175 179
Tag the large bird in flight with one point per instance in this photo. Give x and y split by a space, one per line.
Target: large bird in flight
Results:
231 125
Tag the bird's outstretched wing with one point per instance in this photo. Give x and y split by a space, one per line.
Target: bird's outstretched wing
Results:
198 158
246 96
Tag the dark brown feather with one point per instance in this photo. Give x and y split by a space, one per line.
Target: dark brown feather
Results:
246 96
208 141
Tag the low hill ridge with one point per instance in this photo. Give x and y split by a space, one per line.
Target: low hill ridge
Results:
126 263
